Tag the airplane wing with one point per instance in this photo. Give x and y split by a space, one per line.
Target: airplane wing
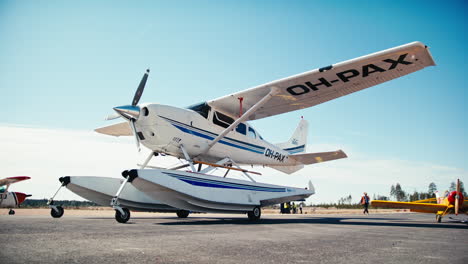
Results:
327 83
417 207
119 129
11 180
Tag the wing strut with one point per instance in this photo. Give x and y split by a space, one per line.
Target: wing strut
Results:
273 91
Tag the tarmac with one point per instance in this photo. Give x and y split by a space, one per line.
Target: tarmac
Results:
215 238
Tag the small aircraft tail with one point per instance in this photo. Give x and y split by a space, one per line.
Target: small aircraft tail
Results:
296 148
298 141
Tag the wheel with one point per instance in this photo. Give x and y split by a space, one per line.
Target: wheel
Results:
438 218
57 214
255 214
11 212
183 213
122 218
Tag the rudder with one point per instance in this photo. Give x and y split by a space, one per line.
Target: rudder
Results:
297 142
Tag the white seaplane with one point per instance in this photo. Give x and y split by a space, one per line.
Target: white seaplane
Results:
216 134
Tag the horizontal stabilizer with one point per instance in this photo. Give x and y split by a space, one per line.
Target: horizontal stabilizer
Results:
311 158
119 129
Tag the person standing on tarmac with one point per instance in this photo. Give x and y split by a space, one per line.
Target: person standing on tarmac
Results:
365 202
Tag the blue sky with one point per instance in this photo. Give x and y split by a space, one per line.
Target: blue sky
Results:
65 64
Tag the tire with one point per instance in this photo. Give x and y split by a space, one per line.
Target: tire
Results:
182 213
11 212
56 214
122 218
438 218
255 214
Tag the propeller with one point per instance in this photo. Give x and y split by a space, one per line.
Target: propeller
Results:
457 198
132 112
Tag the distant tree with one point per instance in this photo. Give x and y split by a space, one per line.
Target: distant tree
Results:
453 186
462 189
399 193
431 190
380 197
414 197
424 195
392 191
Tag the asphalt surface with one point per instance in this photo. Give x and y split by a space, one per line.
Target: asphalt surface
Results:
211 238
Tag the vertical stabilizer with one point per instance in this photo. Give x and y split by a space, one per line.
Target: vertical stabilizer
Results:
298 141
311 187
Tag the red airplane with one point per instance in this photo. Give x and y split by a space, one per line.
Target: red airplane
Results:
11 199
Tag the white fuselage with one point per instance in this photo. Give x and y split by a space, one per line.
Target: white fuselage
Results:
8 200
164 128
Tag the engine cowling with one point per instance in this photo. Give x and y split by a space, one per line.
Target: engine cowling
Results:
452 196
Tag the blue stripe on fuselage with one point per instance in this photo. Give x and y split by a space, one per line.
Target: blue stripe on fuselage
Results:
295 149
193 131
224 185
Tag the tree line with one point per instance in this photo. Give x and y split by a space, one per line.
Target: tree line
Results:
41 203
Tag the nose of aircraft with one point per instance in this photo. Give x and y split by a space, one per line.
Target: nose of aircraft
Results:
128 111
21 197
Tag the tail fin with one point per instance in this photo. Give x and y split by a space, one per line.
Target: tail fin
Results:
298 141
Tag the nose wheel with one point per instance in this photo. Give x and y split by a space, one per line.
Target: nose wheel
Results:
11 212
122 215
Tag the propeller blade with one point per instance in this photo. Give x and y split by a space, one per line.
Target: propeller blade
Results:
112 116
137 139
141 87
457 198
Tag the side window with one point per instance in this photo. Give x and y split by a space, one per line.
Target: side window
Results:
251 133
222 120
241 128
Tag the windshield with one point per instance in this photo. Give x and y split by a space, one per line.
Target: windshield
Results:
202 109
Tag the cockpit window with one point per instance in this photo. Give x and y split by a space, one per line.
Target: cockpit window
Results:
251 133
222 119
203 109
241 128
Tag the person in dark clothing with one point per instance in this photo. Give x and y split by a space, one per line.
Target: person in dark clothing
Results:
365 202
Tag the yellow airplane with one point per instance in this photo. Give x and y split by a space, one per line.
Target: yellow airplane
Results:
453 203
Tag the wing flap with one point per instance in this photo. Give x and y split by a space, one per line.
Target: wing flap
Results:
321 85
417 207
119 129
312 158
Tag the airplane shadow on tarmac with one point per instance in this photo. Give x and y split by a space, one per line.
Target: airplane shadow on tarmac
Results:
318 220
